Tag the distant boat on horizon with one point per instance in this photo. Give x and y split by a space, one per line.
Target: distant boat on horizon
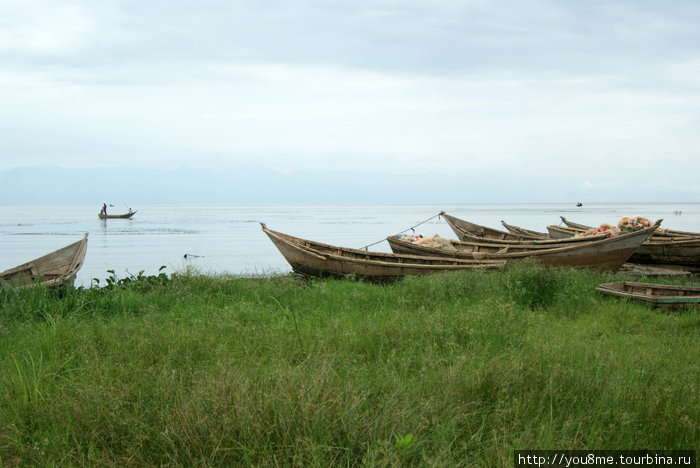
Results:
118 216
579 204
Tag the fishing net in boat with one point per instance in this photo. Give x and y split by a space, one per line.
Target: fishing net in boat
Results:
604 230
435 241
635 223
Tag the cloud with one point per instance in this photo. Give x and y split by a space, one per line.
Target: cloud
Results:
598 90
44 28
289 116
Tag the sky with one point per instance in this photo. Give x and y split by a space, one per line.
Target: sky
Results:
592 100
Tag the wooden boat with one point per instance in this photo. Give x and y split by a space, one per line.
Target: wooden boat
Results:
668 247
53 269
664 233
471 232
118 216
659 295
568 223
524 232
594 253
318 259
562 232
683 251
466 230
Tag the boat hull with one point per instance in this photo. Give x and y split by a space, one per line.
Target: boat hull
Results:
118 216
671 247
607 254
317 259
527 233
658 295
54 269
462 228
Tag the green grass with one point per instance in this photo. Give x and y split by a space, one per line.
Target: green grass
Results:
448 370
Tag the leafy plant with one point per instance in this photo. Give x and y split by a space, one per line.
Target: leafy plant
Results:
139 280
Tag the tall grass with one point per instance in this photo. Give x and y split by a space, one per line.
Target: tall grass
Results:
450 370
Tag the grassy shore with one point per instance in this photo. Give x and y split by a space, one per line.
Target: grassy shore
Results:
449 370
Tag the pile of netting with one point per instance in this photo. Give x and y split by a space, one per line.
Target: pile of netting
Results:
435 241
604 230
634 223
626 224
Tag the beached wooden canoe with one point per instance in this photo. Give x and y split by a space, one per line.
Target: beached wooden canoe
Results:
684 251
525 232
594 253
470 232
570 224
318 259
659 295
659 249
466 230
667 247
53 269
562 232
118 216
662 233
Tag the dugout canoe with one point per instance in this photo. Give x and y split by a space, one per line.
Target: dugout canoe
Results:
658 295
594 253
668 247
118 216
317 259
53 269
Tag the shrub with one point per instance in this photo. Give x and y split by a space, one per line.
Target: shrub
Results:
531 284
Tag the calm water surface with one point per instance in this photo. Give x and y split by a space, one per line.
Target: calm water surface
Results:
228 239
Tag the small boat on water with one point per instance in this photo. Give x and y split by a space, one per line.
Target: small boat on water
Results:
127 215
595 252
318 259
53 269
658 295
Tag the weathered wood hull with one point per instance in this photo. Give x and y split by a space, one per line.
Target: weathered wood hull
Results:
464 228
665 233
118 216
318 259
53 269
562 232
655 251
658 295
570 224
595 254
668 248
524 232
482 233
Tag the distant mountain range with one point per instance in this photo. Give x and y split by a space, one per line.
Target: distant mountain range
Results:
43 185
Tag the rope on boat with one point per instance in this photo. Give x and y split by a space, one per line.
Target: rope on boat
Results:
412 228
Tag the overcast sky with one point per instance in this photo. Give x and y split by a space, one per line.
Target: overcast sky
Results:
606 92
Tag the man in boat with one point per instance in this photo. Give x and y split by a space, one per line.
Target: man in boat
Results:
104 209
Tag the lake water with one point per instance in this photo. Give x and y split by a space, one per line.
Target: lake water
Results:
228 239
